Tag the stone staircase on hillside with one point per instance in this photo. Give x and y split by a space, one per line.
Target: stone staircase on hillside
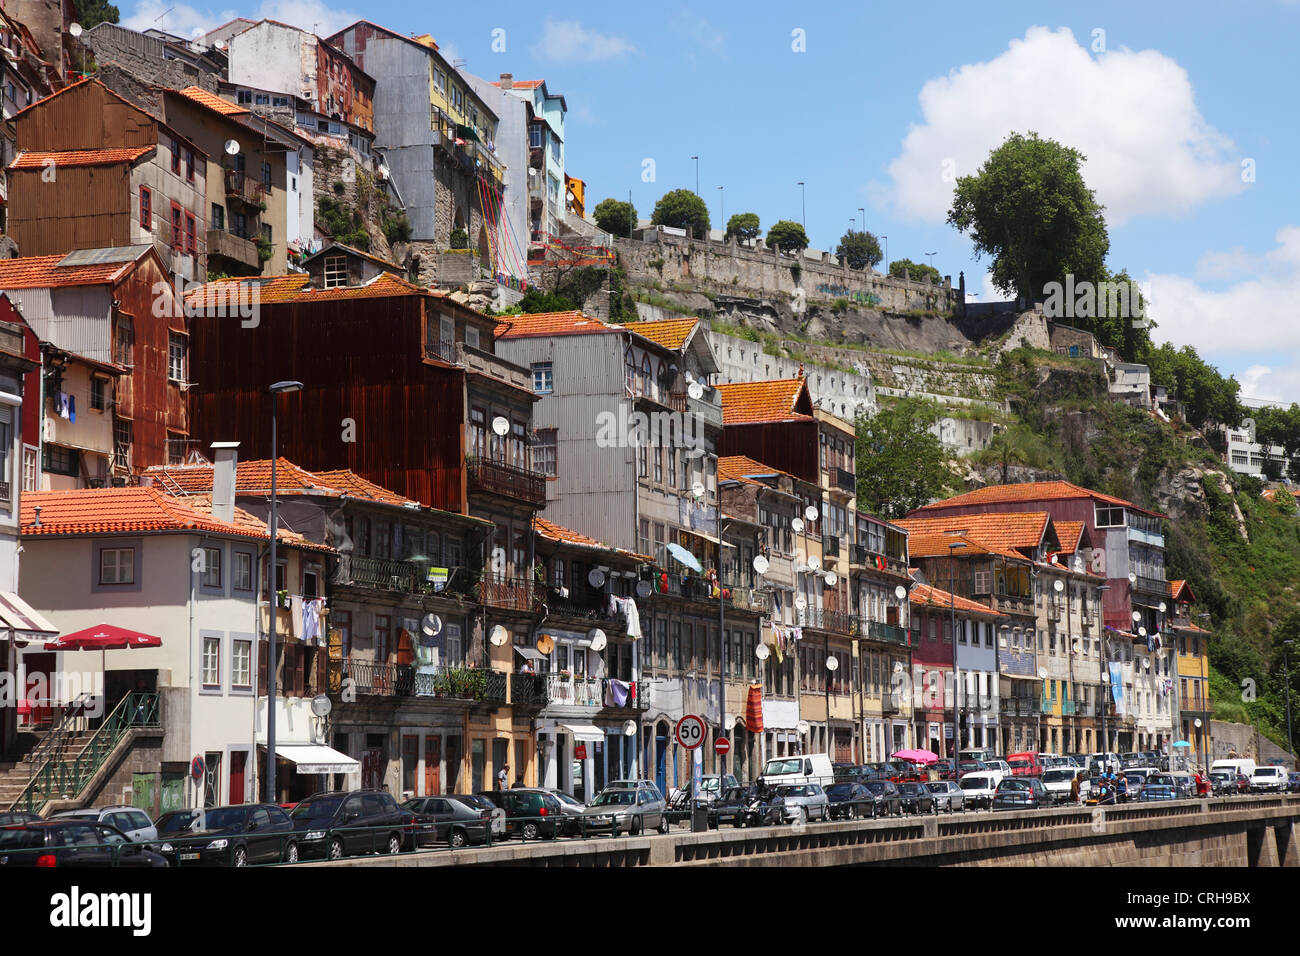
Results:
15 780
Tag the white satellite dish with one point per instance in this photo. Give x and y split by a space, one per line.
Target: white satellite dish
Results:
1058 585
500 425
800 601
221 44
321 705
803 727
1146 663
598 639
697 490
644 589
1052 559
1042 672
499 636
596 578
695 390
761 652
1137 615
796 525
629 728
74 29
832 664
814 562
232 146
900 592
831 579
1142 632
761 564
431 625
1132 577
1162 607
810 513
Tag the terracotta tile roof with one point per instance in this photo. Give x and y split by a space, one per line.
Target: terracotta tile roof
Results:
1029 492
250 477
936 545
80 157
925 595
1069 533
354 486
293 288
1180 590
741 467
255 525
1001 532
119 510
551 323
670 333
771 401
555 532
212 101
44 272
523 84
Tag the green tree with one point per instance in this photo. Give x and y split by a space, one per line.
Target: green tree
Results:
1030 210
919 271
787 236
901 463
744 226
1206 396
616 217
860 249
682 209
91 13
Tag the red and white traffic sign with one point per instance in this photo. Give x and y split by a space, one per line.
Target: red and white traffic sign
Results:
690 731
722 746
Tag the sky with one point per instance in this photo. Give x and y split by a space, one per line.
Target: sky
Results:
1185 113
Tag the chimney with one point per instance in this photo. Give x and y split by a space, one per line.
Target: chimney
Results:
507 81
225 456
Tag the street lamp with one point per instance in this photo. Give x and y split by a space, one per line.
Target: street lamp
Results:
1286 674
803 205
931 255
722 208
885 240
276 390
1105 669
697 174
956 677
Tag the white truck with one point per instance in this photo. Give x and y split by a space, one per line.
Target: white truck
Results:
809 768
1242 765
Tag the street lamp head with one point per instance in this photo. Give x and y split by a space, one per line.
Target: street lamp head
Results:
280 388
956 544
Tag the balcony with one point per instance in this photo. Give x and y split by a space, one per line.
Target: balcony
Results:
841 622
491 365
588 609
245 188
885 633
383 574
859 555
1156 586
596 692
1018 707
1054 611
830 546
1013 604
508 481
846 482
512 594
370 679
1069 707
528 690
650 389
227 245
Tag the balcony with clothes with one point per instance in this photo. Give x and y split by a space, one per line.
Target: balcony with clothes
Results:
355 677
565 690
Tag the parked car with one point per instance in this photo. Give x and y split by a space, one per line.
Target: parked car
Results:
885 797
1059 782
133 822
806 801
904 771
1242 765
11 817
339 823
998 764
1159 786
810 768
571 809
1268 780
1223 783
970 766
72 842
947 795
235 836
1025 765
979 787
175 822
456 820
618 809
733 802
944 770
1129 760
849 801
1104 761
709 786
1021 793
851 772
917 798
532 813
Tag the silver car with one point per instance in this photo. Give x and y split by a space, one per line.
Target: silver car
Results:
807 801
632 809
133 822
947 795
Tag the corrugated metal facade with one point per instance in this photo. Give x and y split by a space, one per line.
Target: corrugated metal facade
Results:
790 446
78 208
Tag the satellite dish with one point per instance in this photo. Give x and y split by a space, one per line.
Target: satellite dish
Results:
1197 722
761 652
1058 585
75 29
629 728
321 705
1142 632
800 601
644 588
1132 577
232 146
832 664
596 578
831 579
431 625
697 490
598 639
695 390
1042 672
796 525
814 562
810 513
898 667
221 44
1052 559
499 636
900 592
1137 615
803 727
500 425
761 564
1162 607
545 644
1146 663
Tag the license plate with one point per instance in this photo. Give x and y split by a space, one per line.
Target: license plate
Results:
189 856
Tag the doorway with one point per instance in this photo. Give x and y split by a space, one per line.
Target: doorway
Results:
238 762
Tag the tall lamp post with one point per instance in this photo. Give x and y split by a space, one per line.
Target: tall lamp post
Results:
1105 668
956 676
885 240
1286 675
722 214
697 174
803 205
276 390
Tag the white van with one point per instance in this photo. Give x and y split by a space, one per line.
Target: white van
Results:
1108 761
809 768
979 786
1242 765
1268 779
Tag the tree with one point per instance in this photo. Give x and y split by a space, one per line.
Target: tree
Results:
682 209
91 13
919 271
1206 396
744 226
861 249
1029 208
616 217
901 463
787 236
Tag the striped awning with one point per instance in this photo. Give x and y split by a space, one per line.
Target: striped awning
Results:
18 619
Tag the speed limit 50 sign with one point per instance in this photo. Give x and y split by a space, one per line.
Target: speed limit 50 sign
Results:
690 731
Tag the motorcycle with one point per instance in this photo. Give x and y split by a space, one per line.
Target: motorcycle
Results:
762 812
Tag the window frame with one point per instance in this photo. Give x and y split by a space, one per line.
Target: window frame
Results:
116 544
246 640
208 550
146 209
208 639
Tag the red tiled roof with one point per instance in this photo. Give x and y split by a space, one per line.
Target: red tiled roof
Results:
1001 532
118 510
1029 492
254 477
212 101
670 333
1177 589
563 535
523 84
44 272
925 595
551 323
1069 533
771 401
253 524
741 468
293 288
936 545
69 158
354 486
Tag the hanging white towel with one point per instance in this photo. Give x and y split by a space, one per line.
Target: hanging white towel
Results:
633 618
295 616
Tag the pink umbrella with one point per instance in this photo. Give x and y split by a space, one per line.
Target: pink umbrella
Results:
916 756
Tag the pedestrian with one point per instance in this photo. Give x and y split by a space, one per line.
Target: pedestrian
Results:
1074 789
503 776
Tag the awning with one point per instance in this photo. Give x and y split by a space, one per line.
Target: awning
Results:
707 537
585 732
17 618
316 758
529 653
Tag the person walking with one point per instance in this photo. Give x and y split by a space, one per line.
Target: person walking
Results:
1074 789
503 777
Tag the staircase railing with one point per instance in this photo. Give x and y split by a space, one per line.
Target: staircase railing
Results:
65 777
55 742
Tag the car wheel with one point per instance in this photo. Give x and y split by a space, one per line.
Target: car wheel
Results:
635 828
530 830
394 843
291 853
240 857
456 839
336 849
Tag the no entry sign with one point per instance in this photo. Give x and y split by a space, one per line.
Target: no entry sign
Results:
722 746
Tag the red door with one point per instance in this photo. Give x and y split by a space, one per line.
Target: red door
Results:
38 691
237 761
432 773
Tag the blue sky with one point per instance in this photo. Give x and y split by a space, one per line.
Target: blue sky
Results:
882 104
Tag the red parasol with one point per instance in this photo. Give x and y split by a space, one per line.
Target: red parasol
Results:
102 637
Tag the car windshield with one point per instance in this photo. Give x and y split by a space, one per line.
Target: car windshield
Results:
322 809
1051 776
974 782
612 798
783 766
1013 785
225 818
1161 780
737 793
937 787
177 822
796 791
875 786
709 783
565 798
839 791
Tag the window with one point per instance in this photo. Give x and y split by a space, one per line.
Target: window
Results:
121 443
189 165
98 400
543 378
146 209
471 336
212 662
178 229
176 157
544 452
243 571
191 236
244 97
266 232
336 271
212 567
1109 516
117 566
61 461
266 175
176 357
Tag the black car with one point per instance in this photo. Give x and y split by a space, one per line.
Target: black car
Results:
917 798
454 819
235 836
179 822
1021 793
885 797
849 801
11 817
72 843
947 795
334 825
732 802
530 813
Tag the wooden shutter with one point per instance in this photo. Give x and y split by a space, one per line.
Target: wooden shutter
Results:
405 648
262 668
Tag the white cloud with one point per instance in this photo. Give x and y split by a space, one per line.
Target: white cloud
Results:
1132 114
570 40
184 20
700 30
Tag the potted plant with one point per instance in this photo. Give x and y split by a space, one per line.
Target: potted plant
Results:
564 677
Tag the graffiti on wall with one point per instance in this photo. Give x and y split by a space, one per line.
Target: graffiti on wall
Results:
844 292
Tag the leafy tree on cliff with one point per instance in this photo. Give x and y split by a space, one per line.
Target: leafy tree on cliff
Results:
901 463
1206 395
860 249
919 271
616 217
787 236
682 209
744 226
91 13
